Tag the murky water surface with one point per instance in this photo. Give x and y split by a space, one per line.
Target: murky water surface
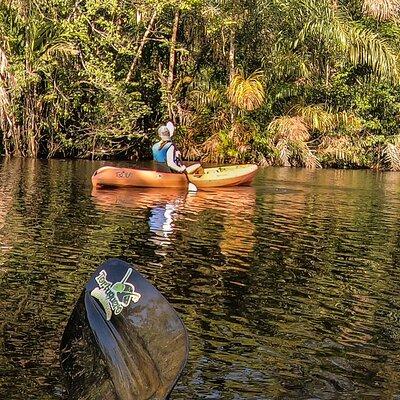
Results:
290 289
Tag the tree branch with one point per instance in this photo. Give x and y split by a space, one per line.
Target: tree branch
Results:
139 50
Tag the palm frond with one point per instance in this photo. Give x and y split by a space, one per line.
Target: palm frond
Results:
289 137
310 159
189 146
212 149
283 152
289 128
240 136
316 117
367 47
349 122
206 98
391 154
381 10
340 149
50 40
335 29
247 93
61 49
7 81
289 64
219 120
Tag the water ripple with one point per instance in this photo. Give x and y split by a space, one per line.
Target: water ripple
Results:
290 289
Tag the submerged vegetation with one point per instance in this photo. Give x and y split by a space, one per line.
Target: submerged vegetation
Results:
289 82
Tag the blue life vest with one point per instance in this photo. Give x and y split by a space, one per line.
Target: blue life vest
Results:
160 155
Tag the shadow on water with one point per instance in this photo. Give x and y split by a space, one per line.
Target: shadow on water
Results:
289 289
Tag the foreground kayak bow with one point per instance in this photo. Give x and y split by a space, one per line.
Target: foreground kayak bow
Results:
123 341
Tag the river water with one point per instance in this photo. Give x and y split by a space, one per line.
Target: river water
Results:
289 289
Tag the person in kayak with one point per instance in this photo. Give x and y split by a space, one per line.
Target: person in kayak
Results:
167 157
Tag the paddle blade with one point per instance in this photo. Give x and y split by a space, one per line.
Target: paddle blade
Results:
192 187
171 128
124 340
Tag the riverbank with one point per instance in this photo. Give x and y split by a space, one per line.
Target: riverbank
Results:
263 82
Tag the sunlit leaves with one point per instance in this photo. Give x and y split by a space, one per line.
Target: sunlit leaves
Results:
381 10
289 138
212 97
247 93
340 149
319 22
391 154
232 144
316 117
289 128
367 47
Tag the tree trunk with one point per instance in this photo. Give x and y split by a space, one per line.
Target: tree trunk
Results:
31 127
172 54
232 54
8 124
140 47
171 66
232 67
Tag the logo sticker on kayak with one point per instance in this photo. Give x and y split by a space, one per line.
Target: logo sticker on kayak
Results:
123 174
114 297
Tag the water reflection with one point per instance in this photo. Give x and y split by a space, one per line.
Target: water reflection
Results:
166 206
163 206
290 289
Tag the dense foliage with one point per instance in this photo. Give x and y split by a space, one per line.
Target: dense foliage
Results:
290 82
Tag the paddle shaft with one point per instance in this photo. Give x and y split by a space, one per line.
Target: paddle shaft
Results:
191 186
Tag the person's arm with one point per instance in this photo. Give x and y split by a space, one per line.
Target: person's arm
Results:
171 162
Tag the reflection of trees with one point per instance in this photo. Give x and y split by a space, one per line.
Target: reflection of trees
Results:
309 260
58 237
46 225
10 172
288 288
319 273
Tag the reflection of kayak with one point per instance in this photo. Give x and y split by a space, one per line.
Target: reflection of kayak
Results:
233 175
137 198
169 206
230 200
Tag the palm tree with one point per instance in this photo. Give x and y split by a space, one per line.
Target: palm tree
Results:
37 47
247 93
381 10
289 137
391 153
327 37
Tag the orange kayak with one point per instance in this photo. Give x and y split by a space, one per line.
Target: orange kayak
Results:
209 178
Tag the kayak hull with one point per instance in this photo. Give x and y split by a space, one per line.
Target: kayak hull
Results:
130 177
209 178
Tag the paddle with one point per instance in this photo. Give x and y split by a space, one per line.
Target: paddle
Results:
171 128
191 186
123 341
